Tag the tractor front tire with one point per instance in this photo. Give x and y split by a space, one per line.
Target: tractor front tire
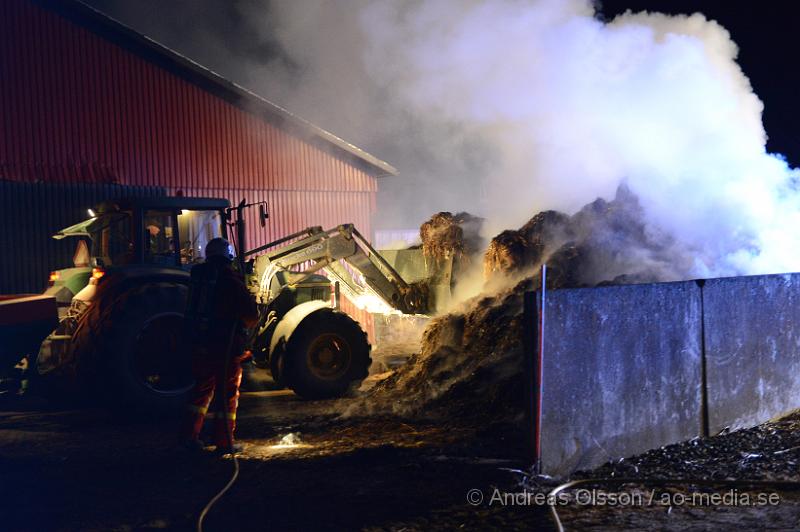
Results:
326 356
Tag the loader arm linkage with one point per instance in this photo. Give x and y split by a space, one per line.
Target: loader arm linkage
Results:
345 243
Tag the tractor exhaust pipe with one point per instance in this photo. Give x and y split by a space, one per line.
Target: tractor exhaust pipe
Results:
241 234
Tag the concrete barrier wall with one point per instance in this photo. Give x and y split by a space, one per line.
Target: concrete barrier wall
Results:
621 372
630 368
752 337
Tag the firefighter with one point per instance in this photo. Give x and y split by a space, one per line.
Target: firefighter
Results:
219 307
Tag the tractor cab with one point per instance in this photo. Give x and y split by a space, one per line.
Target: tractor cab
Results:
163 232
166 232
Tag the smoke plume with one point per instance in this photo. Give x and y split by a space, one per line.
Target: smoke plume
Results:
505 108
573 107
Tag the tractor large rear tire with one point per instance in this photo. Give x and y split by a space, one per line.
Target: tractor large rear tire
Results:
136 346
327 356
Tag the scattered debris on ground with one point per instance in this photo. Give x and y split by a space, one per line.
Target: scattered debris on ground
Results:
300 469
380 473
769 452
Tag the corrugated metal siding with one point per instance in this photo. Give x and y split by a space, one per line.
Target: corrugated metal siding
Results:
77 108
33 213
76 102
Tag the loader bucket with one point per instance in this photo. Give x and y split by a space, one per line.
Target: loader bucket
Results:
414 267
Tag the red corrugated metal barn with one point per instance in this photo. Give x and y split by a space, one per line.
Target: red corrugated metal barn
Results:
90 107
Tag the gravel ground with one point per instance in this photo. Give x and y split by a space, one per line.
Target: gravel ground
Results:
305 469
301 470
766 455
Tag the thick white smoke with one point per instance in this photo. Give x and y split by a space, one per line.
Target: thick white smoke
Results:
508 107
573 106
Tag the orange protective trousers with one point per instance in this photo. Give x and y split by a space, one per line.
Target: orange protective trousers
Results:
215 395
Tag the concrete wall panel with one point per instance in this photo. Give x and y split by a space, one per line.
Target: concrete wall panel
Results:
622 372
752 348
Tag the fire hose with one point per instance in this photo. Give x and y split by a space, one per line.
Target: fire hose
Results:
785 484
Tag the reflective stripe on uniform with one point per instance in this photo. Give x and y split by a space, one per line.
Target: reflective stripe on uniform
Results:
227 415
198 409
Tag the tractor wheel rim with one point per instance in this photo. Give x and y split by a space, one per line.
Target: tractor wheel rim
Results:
329 357
157 363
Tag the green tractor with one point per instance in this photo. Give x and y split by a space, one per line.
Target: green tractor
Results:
121 332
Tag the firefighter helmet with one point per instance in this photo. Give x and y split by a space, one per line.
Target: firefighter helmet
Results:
218 247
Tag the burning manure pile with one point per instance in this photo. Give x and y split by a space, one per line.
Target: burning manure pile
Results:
606 242
469 367
447 234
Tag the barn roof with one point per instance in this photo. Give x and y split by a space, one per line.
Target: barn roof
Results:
154 52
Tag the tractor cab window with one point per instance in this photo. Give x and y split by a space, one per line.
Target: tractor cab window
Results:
159 238
196 228
112 242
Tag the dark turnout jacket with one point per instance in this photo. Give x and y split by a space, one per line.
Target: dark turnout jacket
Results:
218 308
